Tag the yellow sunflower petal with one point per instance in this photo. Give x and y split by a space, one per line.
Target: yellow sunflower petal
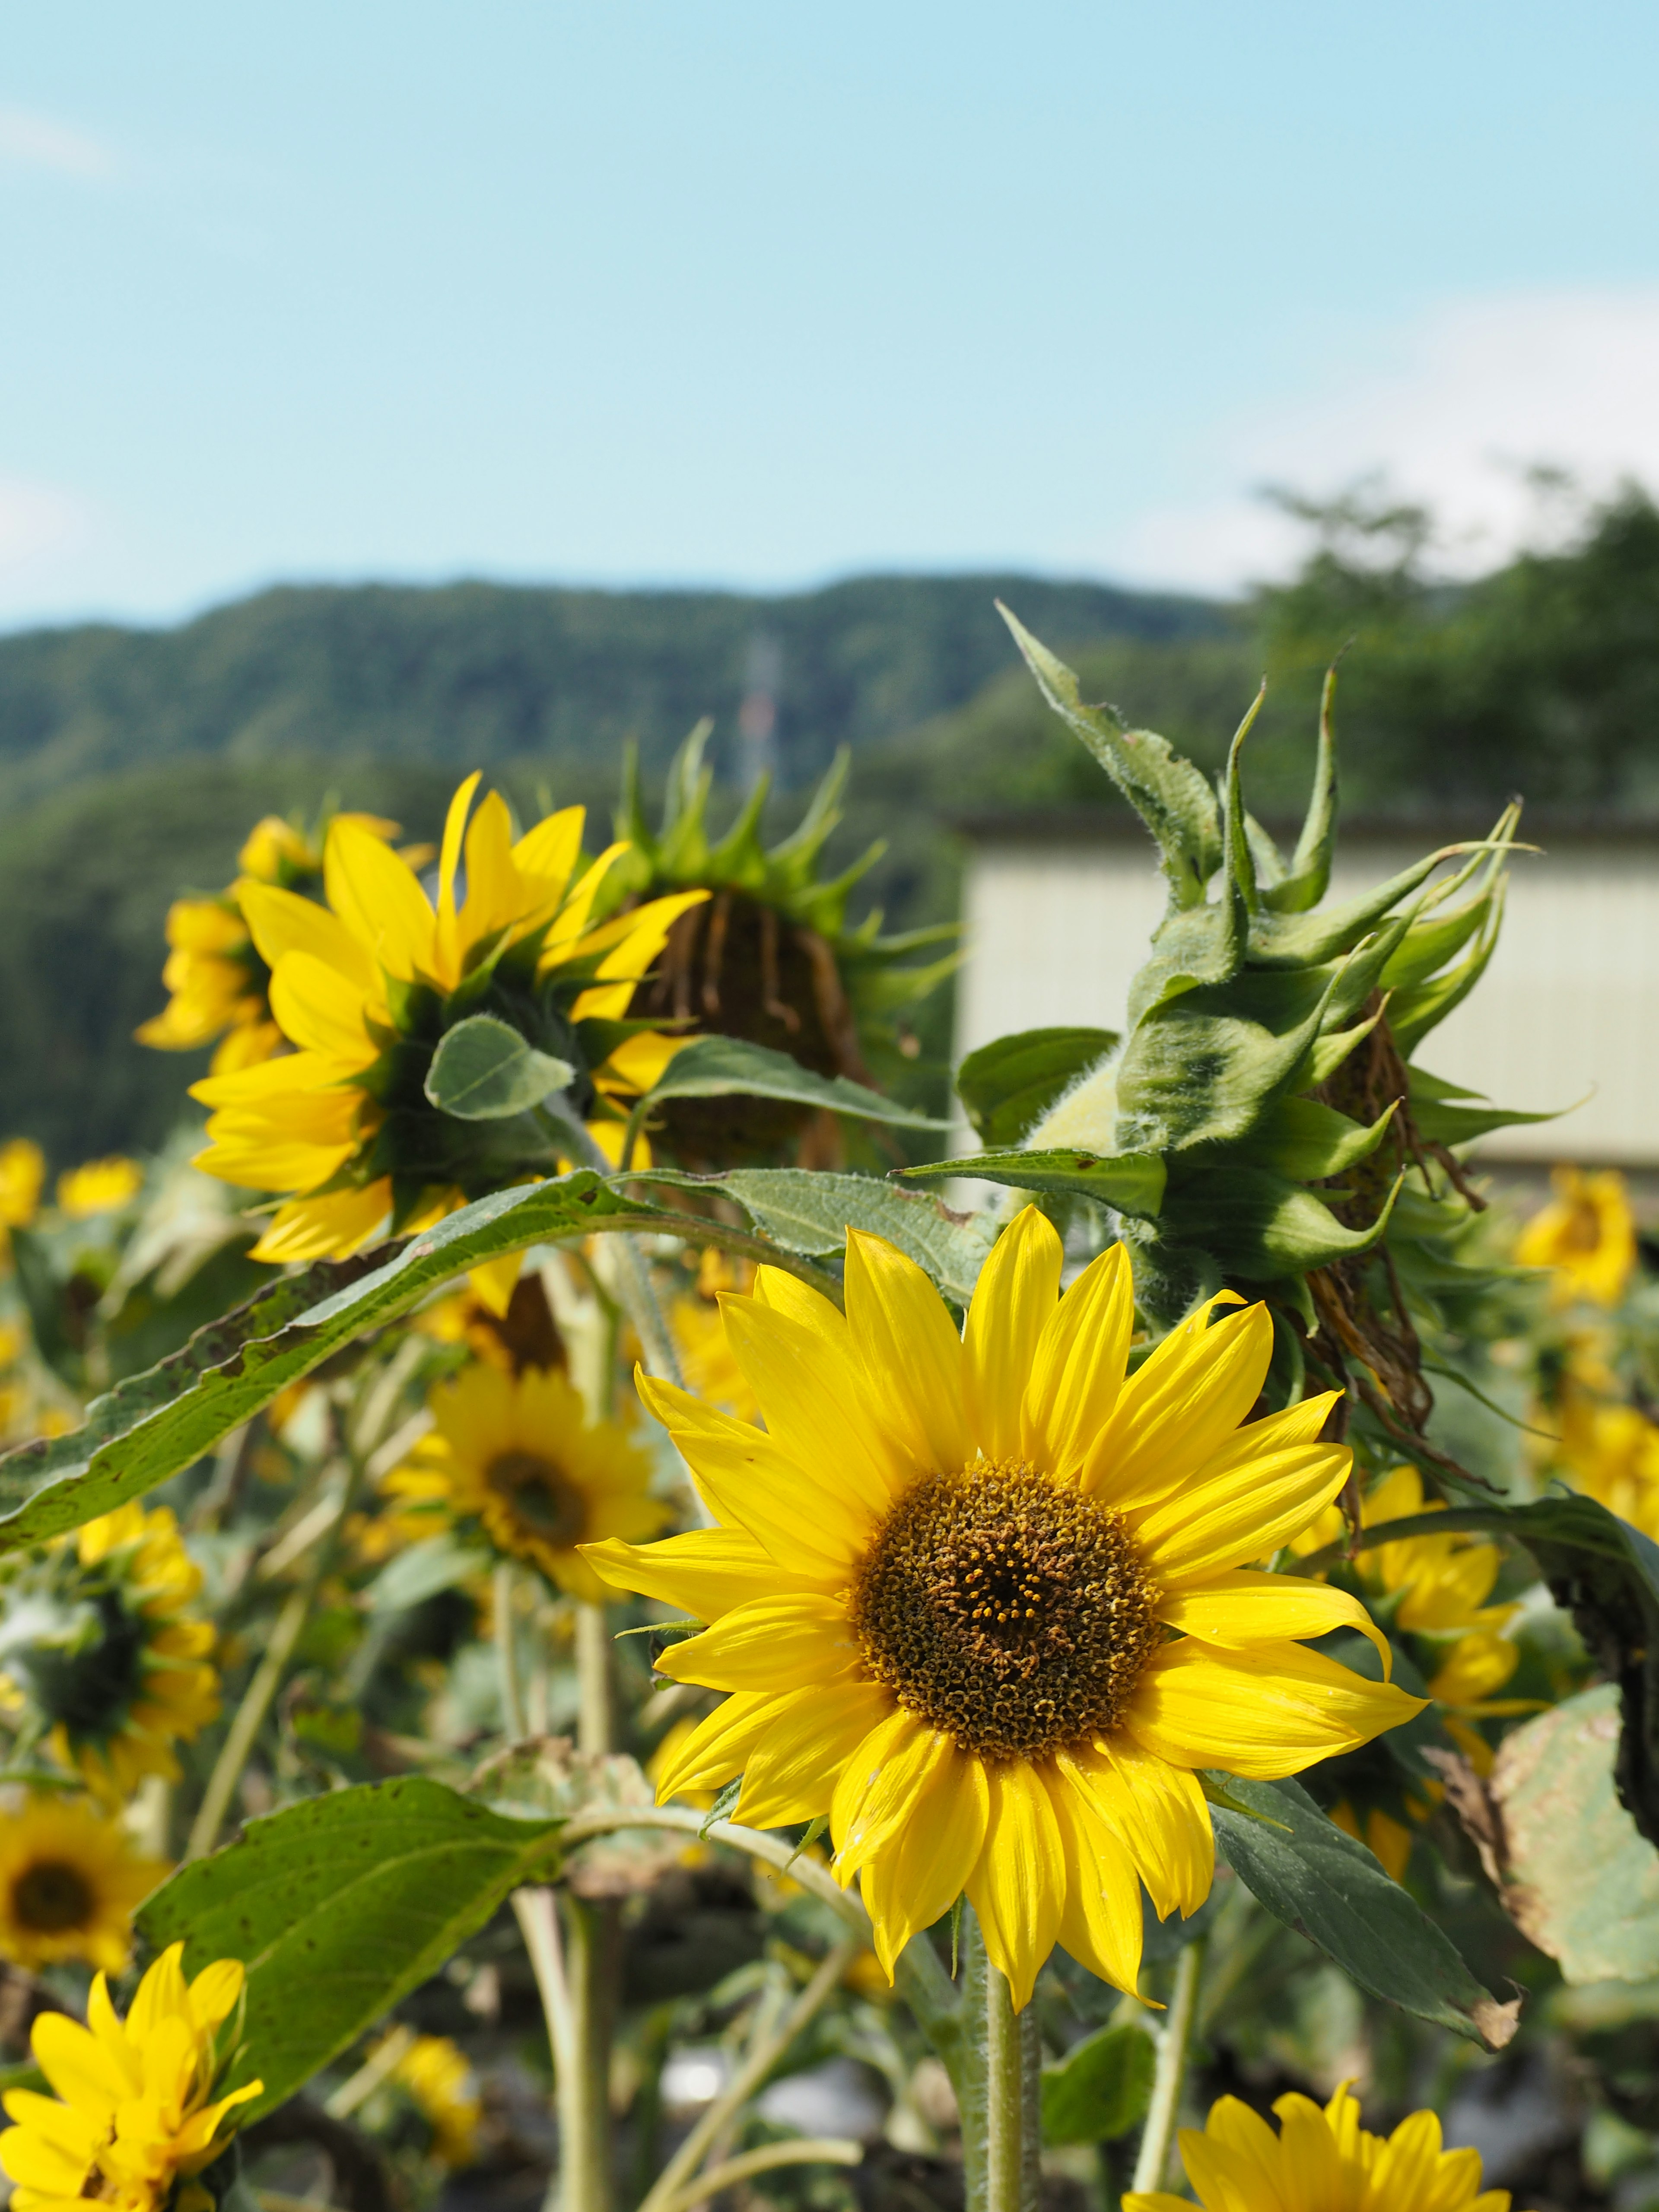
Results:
282 921
1160 1813
1242 1507
321 1011
716 1748
1241 1608
321 1228
1178 1408
1013 1303
1018 1887
1268 1712
792 1771
879 1785
1100 1924
922 1872
80 2067
810 1386
769 1642
705 1573
910 1352
1078 1370
379 899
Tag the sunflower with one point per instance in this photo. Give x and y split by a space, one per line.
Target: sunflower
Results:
99 1186
1322 2159
22 1173
1587 1235
137 2113
98 1637
69 1882
706 1359
438 2077
219 982
943 1582
364 987
517 1457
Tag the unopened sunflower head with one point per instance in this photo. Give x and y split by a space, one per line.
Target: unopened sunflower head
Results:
69 1882
514 1462
986 1600
364 987
769 957
1262 1122
218 980
141 2110
1320 2157
98 1638
1586 1236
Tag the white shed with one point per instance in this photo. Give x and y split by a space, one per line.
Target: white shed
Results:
1058 908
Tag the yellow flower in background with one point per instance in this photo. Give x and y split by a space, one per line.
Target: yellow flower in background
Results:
99 1186
438 2077
23 1174
364 987
97 1636
943 1581
1586 1234
218 980
69 1883
517 1457
706 1359
1321 2160
1609 1449
138 2114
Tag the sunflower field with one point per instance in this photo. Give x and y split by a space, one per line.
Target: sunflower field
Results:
585 1617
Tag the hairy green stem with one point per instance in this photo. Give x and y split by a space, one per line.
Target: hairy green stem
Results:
595 1702
507 1652
593 1943
1159 2133
1005 2097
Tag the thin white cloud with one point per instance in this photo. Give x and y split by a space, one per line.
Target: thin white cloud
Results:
40 524
28 141
1472 396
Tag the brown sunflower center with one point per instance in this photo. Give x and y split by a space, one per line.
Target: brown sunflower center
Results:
51 1896
540 1495
1011 1612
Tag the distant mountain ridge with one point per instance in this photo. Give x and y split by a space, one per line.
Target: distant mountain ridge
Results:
484 675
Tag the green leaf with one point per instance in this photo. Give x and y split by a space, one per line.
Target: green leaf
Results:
810 1212
1007 1087
338 1907
725 1068
153 1424
1305 1140
1309 876
1100 2089
1261 1225
484 1070
1330 1889
1204 1067
1168 793
1578 1877
438 1564
1133 1182
1437 1116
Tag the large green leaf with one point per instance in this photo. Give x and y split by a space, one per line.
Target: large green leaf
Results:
1007 1087
338 1907
1133 1182
1101 2088
1576 1875
810 1212
484 1070
1259 1225
728 1067
1331 1889
148 1427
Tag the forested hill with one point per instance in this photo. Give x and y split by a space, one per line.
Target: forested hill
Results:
481 675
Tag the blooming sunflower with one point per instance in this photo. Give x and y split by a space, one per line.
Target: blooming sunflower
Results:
364 987
97 1635
1321 2160
137 2113
984 1600
69 1882
1586 1234
516 1456
219 983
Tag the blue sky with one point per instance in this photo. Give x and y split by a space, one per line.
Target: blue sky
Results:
761 295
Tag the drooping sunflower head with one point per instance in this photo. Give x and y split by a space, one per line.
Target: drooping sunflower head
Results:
218 979
99 1637
515 1459
769 957
1587 1235
138 2116
69 1882
365 988
1321 2157
986 1600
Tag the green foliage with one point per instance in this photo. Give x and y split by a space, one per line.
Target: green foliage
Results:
1009 1085
727 1067
1100 2089
338 1907
483 1069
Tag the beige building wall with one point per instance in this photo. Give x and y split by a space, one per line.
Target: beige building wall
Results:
1569 1004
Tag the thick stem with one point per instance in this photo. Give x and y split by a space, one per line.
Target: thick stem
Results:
1005 2097
1159 2133
593 1934
507 1653
594 1728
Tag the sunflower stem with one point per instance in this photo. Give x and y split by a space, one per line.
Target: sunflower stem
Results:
1159 2133
507 1652
1005 2097
593 1936
594 1689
